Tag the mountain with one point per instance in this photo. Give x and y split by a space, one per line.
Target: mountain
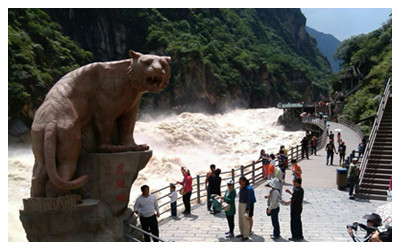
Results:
327 44
221 58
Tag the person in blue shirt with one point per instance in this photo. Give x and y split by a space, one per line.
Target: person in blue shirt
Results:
251 209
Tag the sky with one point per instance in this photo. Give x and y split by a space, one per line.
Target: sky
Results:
343 23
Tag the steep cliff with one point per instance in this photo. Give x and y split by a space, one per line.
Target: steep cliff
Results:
221 57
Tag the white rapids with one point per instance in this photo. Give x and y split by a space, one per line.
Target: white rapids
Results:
192 140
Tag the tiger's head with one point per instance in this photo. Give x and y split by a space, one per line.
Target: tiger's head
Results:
149 73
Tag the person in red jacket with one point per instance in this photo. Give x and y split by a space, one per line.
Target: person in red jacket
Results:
187 189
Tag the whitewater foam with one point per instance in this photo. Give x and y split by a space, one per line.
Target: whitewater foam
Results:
192 140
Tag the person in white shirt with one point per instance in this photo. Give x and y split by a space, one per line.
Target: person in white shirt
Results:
145 206
273 206
174 197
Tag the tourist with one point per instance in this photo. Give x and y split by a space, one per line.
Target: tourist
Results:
353 177
331 136
304 147
274 198
265 162
361 148
145 206
212 169
174 197
339 138
296 169
284 150
330 149
215 189
229 198
244 208
187 189
279 176
251 209
296 208
271 170
313 146
282 161
342 152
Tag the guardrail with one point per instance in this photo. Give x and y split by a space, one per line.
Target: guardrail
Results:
353 126
374 131
253 172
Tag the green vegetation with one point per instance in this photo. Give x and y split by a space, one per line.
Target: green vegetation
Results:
258 56
372 54
38 55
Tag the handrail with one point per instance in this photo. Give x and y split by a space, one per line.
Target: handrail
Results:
255 174
374 131
127 232
351 125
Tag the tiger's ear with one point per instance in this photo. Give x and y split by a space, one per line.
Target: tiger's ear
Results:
134 55
167 58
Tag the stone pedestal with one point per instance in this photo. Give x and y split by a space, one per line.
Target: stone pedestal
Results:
100 214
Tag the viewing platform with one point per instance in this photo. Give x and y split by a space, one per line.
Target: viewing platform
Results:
326 210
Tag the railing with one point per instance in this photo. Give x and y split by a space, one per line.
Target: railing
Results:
353 126
374 131
253 172
130 230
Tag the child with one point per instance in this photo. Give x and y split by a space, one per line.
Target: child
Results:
174 196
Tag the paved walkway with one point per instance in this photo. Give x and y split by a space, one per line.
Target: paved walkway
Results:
326 210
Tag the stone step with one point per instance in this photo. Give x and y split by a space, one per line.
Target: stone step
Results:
371 191
384 181
374 186
379 156
371 197
378 171
381 152
384 176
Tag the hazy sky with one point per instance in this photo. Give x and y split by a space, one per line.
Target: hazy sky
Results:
343 23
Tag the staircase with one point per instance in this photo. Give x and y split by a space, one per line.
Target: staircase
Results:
376 167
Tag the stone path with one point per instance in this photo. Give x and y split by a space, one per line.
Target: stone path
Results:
326 210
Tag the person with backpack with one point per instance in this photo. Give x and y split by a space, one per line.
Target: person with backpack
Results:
330 149
342 152
215 190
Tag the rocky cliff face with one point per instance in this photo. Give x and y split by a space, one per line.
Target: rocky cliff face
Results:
194 84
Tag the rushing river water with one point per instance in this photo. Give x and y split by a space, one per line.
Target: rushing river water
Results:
192 140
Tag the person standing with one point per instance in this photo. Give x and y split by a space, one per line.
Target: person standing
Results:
174 197
145 206
296 169
304 147
244 208
187 186
229 198
296 208
215 188
313 146
342 152
339 139
273 206
251 210
212 169
353 176
330 149
265 162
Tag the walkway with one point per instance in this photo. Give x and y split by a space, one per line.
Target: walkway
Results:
326 210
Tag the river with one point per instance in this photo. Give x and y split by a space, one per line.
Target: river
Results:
192 140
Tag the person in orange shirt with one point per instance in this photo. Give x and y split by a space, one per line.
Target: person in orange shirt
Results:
296 169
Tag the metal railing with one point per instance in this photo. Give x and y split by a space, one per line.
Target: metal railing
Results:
353 126
374 131
253 172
